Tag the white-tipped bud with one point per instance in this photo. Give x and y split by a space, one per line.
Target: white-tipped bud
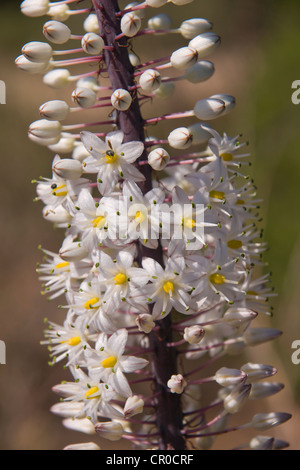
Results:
73 252
81 425
45 129
161 21
264 421
35 8
83 446
199 134
130 24
80 152
150 80
58 216
121 99
227 377
68 169
237 398
165 90
111 430
84 97
265 389
57 78
255 336
133 406
56 32
193 334
55 110
145 322
209 108
158 159
90 24
267 443
92 43
200 71
177 384
45 142
37 51
184 58
59 12
65 144
134 59
88 82
67 409
194 26
257 371
238 316
205 43
180 138
156 3
32 67
181 2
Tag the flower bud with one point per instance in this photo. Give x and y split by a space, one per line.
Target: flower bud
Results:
111 430
265 389
193 334
83 446
205 43
156 3
255 336
92 43
45 129
133 406
208 108
58 216
130 24
257 371
194 26
67 409
56 32
32 67
199 134
35 8
73 252
80 152
264 421
84 97
67 168
145 322
88 82
57 78
184 58
176 384
228 100
134 59
90 24
121 99
45 141
227 377
263 443
180 138
165 90
181 2
200 71
37 51
238 316
158 159
65 144
161 21
83 425
55 110
150 80
59 12
237 398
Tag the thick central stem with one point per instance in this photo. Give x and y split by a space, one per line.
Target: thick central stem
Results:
164 358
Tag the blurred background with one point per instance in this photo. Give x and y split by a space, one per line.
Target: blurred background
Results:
257 62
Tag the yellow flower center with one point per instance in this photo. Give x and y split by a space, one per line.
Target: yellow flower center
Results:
120 278
61 193
90 392
109 362
240 202
110 156
62 265
98 222
74 341
168 287
90 303
227 157
139 217
251 292
188 222
234 244
217 278
217 194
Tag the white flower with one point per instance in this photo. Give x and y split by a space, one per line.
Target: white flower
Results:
177 384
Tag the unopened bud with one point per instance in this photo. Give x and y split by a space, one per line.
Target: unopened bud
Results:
59 215
45 129
57 78
83 446
194 26
130 24
238 316
55 110
37 51
200 71
35 8
267 442
91 24
265 389
65 144
184 58
176 384
84 97
130 5
205 43
82 425
67 409
56 32
121 99
180 138
92 43
193 334
88 82
227 377
111 430
209 108
67 168
237 398
257 371
158 159
134 59
32 67
59 12
73 252
199 134
264 421
133 406
145 322
255 336
156 3
161 21
150 80
228 100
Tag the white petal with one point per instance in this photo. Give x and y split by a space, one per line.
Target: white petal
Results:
132 151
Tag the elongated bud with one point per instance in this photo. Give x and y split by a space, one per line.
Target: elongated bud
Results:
84 97
238 316
134 59
205 43
180 138
73 252
90 24
264 421
193 334
209 108
65 144
156 3
228 100
83 446
111 430
133 406
32 67
184 58
88 82
263 442
67 168
121 99
257 371
37 51
45 129
237 398
228 377
176 384
81 425
161 21
158 159
130 24
145 322
255 336
58 216
92 43
200 71
55 110
56 32
59 12
150 80
194 26
57 78
66 409
265 389
199 134
80 152
35 8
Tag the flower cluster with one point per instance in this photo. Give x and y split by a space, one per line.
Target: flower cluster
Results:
157 238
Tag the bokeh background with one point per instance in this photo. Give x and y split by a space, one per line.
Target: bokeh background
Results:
257 62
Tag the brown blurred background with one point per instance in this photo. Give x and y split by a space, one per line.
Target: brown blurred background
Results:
257 62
